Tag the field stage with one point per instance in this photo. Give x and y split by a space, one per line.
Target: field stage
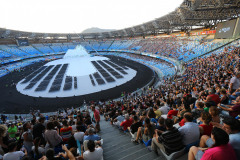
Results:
61 84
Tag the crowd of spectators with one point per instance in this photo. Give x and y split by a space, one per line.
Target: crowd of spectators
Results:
197 113
71 134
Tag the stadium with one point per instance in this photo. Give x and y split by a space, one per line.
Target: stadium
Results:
165 89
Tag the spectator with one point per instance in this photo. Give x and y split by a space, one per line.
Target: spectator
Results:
39 129
97 119
205 127
66 131
12 130
229 110
169 141
13 154
79 134
234 83
52 137
145 133
37 149
93 153
190 131
134 127
220 150
232 127
127 123
27 137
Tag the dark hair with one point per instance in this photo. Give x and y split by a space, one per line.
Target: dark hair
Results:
36 144
41 119
201 104
135 118
65 123
50 125
25 126
221 137
233 123
161 120
12 145
151 113
214 110
168 123
91 145
188 117
50 154
206 117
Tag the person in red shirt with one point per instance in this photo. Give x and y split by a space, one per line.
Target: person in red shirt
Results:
127 123
206 127
172 112
213 97
97 118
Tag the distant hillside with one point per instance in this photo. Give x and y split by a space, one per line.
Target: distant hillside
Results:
95 30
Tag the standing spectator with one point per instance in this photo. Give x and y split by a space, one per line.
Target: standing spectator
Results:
27 137
97 118
52 137
39 129
12 130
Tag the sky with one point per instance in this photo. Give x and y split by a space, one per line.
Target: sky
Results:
69 16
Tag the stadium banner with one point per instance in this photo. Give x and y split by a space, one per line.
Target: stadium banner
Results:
225 29
22 42
237 29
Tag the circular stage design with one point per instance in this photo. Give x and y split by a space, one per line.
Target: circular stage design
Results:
75 76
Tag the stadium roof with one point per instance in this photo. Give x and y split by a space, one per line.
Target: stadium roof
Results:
190 14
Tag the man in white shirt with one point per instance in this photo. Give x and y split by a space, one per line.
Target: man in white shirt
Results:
79 134
190 131
13 154
234 83
92 152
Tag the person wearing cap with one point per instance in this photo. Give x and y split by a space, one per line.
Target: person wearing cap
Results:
12 130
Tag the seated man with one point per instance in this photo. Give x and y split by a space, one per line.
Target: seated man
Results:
232 127
134 127
93 152
118 120
13 154
127 123
190 131
91 136
169 141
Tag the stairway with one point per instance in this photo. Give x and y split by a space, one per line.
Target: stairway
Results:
118 146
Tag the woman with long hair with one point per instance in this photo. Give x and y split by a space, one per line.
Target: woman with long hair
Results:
220 150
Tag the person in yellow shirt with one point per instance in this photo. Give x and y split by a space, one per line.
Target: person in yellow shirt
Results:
157 112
